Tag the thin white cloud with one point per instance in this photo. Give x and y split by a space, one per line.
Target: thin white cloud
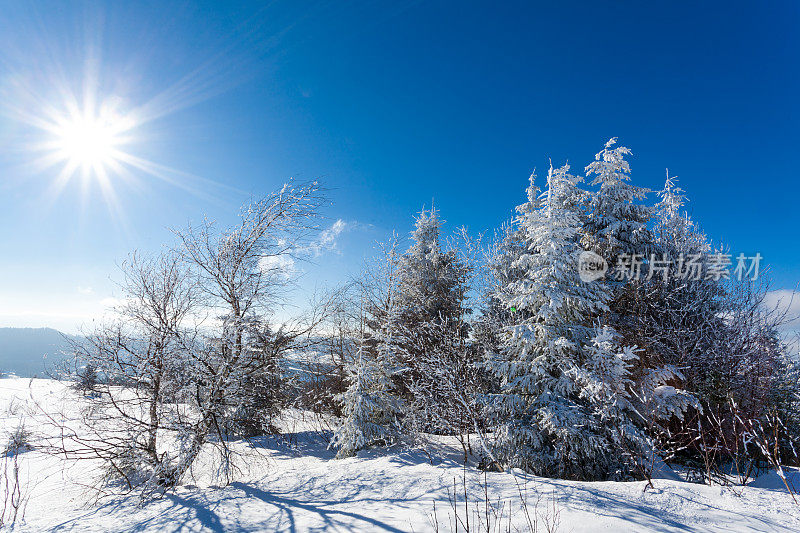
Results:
284 265
327 240
281 266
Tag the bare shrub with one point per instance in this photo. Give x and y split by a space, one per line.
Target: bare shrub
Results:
16 495
530 512
194 357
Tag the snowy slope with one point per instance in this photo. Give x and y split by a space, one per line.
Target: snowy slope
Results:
293 484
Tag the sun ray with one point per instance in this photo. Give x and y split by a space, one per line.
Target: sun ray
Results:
191 183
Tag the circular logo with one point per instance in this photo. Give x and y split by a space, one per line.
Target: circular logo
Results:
591 266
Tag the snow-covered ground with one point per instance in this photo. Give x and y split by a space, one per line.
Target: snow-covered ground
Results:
293 483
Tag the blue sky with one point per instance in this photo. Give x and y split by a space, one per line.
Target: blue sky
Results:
392 106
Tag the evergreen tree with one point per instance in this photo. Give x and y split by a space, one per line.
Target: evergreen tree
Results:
431 295
617 228
676 316
616 224
510 243
262 393
544 424
606 384
369 409
431 280
675 232
87 379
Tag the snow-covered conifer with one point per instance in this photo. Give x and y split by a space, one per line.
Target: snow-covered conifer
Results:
605 378
677 315
509 244
369 410
371 407
432 286
675 232
616 223
431 280
543 424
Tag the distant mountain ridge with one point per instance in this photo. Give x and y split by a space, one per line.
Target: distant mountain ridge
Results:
32 352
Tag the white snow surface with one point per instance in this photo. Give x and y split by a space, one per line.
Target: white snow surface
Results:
292 483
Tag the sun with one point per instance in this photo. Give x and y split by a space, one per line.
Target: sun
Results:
88 139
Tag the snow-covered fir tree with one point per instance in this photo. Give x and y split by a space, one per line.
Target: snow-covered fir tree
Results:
713 344
676 315
431 280
544 424
516 240
262 394
616 223
676 233
415 334
509 244
431 288
369 409
605 378
617 229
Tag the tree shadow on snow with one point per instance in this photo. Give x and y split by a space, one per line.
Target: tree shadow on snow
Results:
330 517
645 515
296 444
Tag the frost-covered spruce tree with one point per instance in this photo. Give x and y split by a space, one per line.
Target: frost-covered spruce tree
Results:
431 280
723 337
675 232
719 332
515 243
487 328
87 378
502 260
262 392
676 315
616 223
545 426
617 228
431 288
605 378
369 409
439 377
